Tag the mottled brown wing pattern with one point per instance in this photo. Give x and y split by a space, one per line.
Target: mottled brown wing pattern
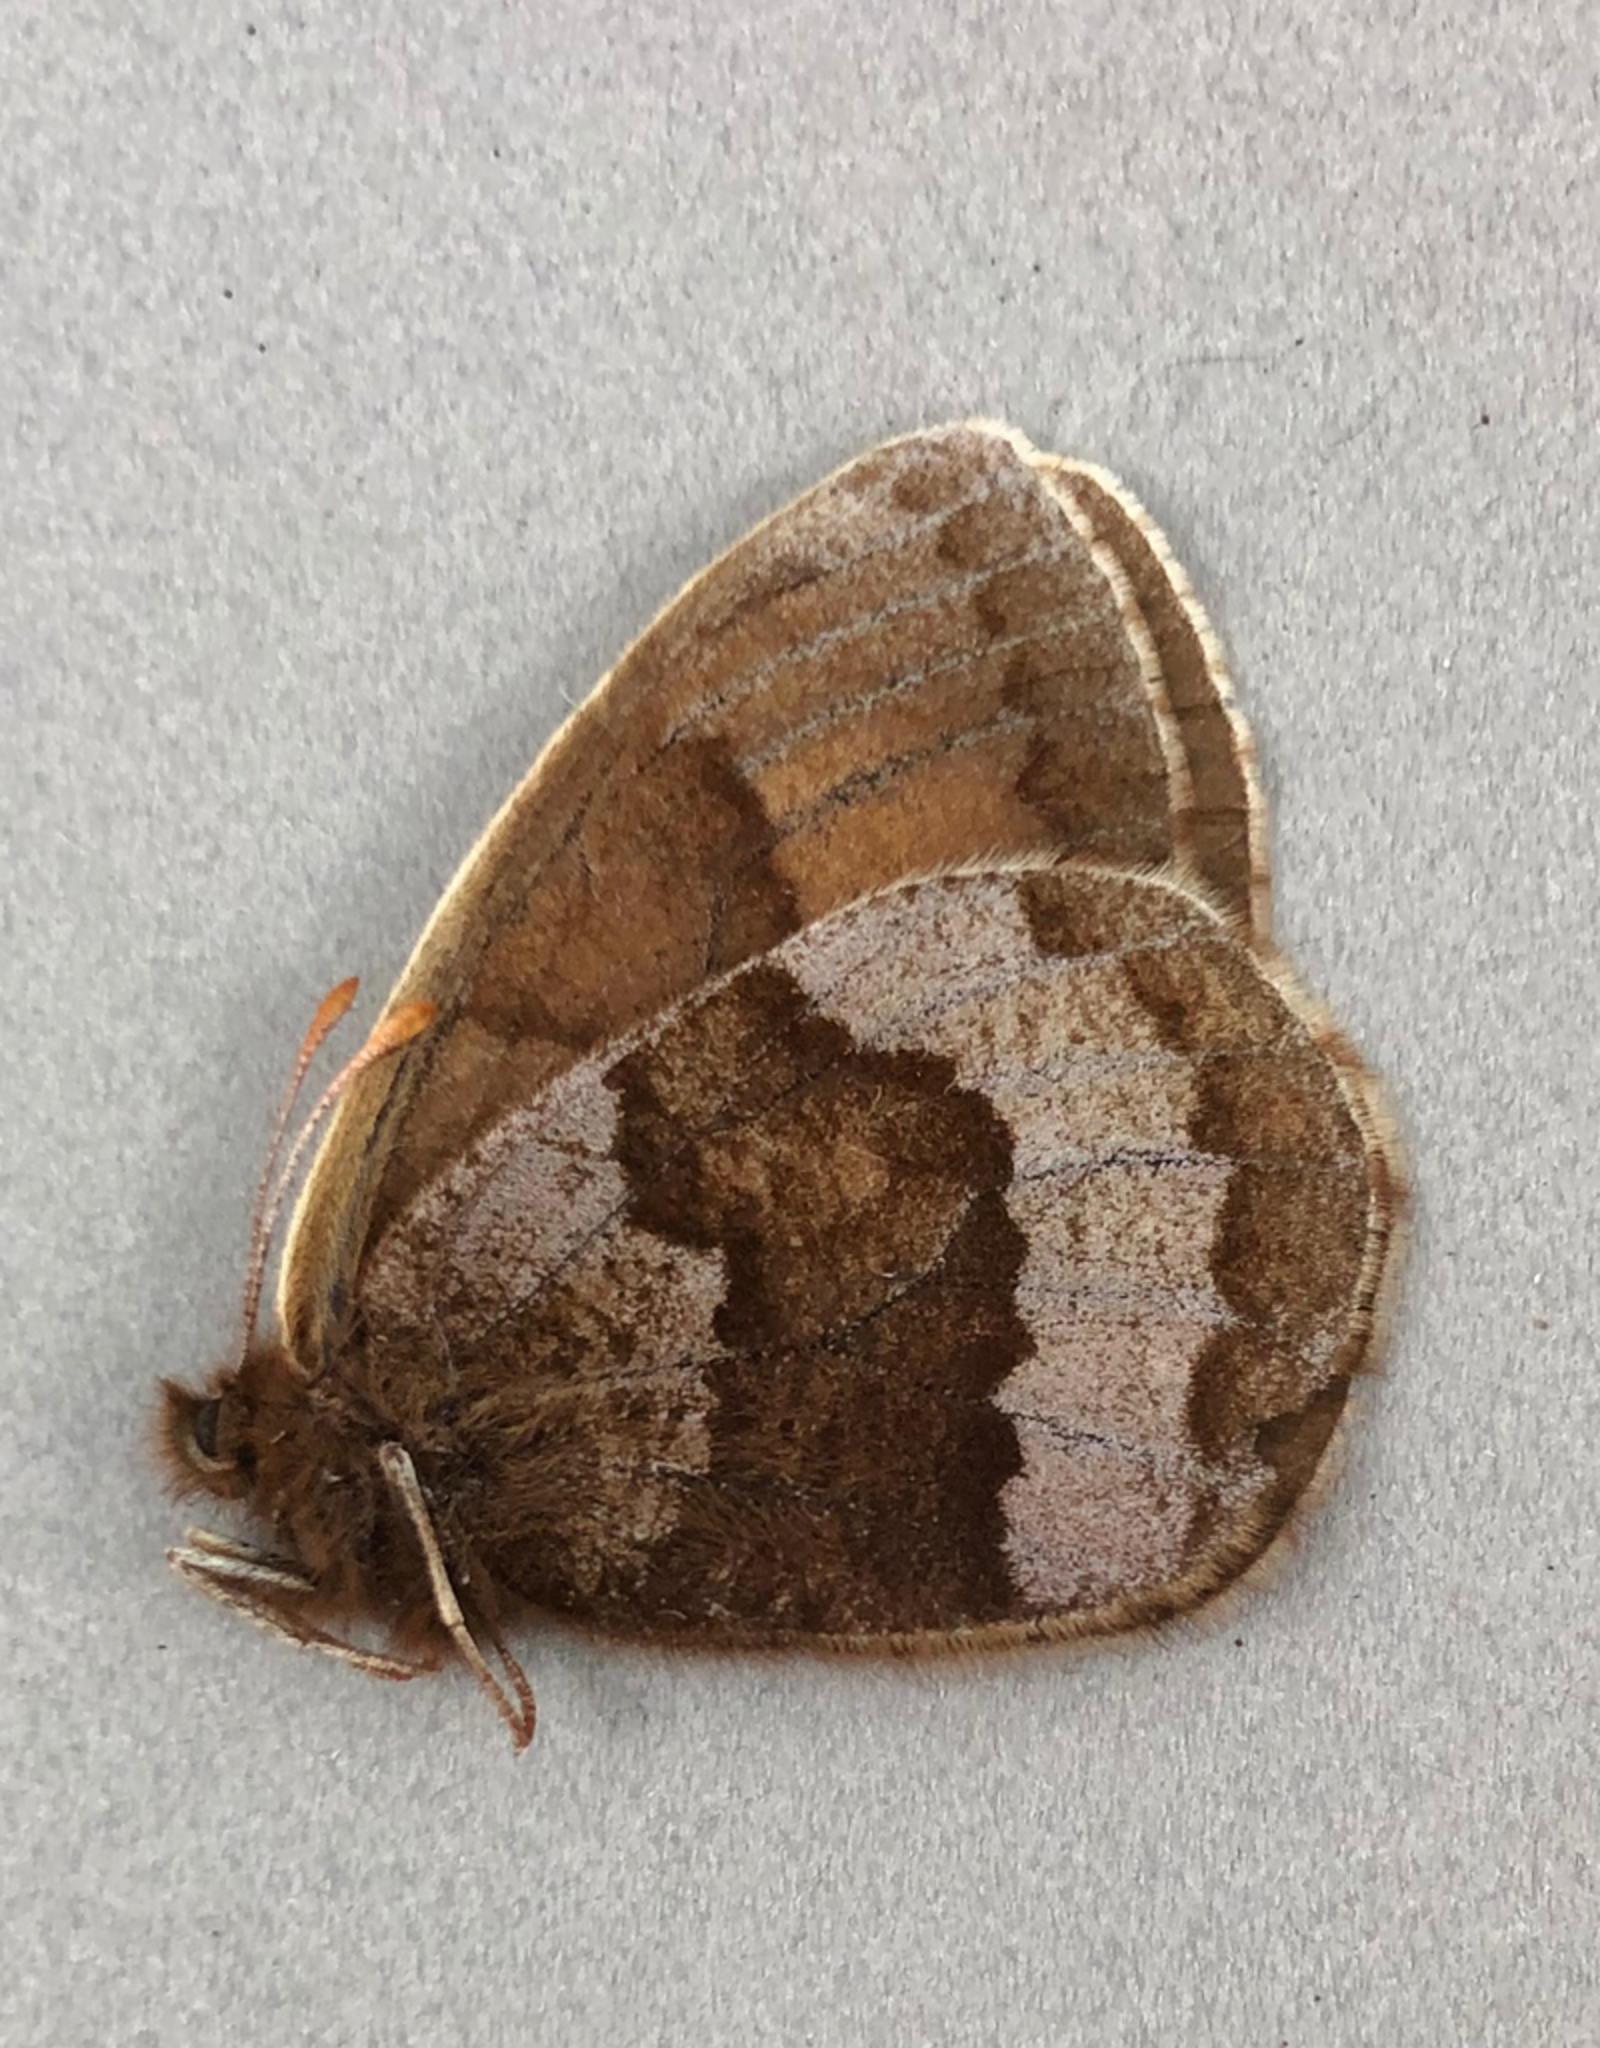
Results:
845 1163
954 649
990 1258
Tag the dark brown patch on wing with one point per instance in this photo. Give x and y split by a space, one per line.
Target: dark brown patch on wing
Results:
1071 914
597 960
1293 1445
858 1198
670 882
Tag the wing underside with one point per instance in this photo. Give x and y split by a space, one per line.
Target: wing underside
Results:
953 650
991 1257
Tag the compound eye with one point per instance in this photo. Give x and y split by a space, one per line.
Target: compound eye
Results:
204 1429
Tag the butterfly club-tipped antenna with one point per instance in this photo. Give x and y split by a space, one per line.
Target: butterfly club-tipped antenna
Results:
392 1031
330 1011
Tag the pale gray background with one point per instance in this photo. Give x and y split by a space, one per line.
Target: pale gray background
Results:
368 374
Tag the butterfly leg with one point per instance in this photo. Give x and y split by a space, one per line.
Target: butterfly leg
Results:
518 1714
265 1589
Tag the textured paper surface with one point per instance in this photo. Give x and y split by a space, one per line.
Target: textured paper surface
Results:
366 379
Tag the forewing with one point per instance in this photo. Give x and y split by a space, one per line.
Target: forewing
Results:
928 660
1219 821
989 1259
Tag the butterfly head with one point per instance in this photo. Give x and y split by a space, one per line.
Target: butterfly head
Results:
243 1435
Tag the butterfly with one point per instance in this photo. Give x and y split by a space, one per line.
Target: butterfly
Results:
846 1164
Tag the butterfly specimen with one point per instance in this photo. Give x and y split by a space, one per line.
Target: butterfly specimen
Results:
845 1164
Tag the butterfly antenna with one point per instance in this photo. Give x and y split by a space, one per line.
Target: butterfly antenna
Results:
329 1012
387 1036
